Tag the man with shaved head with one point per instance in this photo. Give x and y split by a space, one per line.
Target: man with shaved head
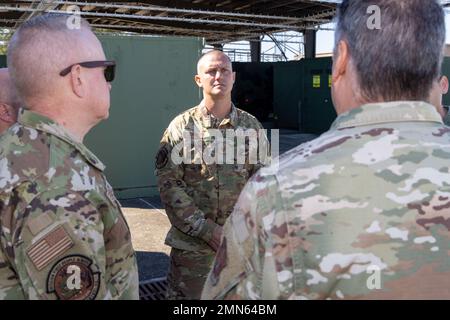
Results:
63 234
9 101
199 195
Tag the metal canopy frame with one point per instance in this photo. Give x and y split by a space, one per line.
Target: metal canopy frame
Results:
216 21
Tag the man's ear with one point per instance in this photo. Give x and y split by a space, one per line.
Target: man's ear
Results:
234 76
78 81
444 84
340 62
7 113
198 81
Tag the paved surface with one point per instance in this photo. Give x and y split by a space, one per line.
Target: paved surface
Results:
290 140
149 224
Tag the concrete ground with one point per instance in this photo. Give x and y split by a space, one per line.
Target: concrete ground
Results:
149 224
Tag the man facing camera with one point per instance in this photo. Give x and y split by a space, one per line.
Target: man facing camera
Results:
199 193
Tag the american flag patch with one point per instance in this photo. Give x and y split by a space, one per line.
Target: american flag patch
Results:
51 246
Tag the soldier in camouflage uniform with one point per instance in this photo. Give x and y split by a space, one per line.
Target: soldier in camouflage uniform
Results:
363 210
199 196
9 101
62 231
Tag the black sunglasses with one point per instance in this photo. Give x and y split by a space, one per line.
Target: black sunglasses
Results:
110 70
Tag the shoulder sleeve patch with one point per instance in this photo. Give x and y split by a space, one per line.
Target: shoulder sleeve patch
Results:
49 247
162 158
74 277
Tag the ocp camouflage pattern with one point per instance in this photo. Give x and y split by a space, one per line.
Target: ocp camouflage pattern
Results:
58 210
362 212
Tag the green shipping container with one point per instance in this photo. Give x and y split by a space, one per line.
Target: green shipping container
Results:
154 83
302 96
287 94
317 110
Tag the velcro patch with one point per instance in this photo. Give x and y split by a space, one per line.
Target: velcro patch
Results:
39 223
49 247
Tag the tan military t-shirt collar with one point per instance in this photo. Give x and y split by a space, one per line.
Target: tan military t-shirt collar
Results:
378 113
42 123
208 119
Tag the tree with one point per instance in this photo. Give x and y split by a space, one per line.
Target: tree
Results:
5 35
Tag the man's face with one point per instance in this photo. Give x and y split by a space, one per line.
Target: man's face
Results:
215 75
439 88
99 89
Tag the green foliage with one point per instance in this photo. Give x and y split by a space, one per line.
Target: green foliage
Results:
5 35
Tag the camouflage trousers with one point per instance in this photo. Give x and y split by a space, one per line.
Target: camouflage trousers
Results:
188 271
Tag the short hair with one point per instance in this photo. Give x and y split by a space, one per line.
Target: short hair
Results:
211 52
39 50
401 60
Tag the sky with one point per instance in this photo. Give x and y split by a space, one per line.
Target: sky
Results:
324 42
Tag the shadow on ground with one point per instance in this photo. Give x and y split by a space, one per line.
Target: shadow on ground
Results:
152 265
142 203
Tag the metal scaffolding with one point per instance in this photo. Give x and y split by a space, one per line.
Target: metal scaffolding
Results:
278 24
217 22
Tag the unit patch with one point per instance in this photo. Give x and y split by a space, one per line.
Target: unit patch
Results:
74 277
162 158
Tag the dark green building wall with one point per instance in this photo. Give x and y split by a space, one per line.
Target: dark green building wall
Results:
287 94
154 83
301 95
2 61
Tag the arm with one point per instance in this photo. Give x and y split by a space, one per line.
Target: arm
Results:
237 262
264 146
180 207
244 266
61 251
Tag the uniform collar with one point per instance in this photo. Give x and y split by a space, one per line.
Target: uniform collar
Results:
208 119
39 122
397 111
447 118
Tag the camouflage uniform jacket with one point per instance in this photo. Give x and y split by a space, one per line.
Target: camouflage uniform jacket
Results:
447 117
62 232
363 211
198 196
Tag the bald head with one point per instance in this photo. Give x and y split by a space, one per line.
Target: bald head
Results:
211 54
9 101
41 48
